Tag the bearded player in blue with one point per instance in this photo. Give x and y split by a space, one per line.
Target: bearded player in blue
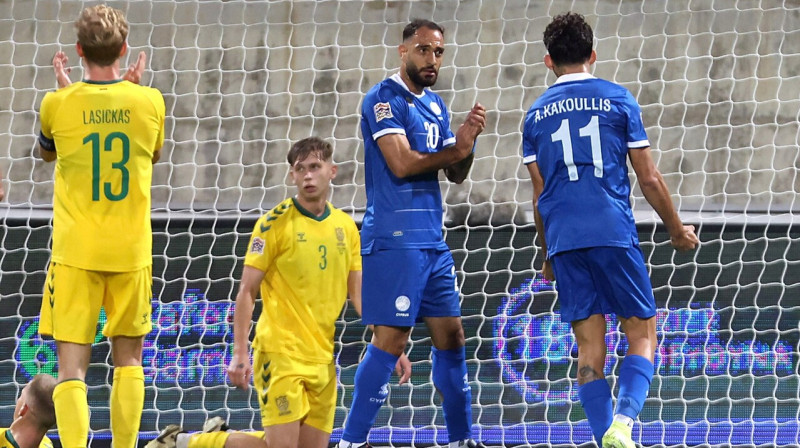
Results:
409 274
576 140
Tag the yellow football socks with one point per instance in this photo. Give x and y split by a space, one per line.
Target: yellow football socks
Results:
127 401
218 439
72 413
208 440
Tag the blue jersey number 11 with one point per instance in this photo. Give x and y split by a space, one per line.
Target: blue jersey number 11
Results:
591 130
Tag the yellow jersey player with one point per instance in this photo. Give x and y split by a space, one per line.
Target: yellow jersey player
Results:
304 255
104 133
33 416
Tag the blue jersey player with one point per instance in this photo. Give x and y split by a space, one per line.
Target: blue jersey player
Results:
409 274
577 137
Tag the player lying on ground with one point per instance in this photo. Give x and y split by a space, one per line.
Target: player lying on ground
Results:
34 414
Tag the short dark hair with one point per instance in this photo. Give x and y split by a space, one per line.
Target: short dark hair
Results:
40 399
416 24
568 39
307 146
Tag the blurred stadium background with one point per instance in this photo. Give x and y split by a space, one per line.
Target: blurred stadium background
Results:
717 81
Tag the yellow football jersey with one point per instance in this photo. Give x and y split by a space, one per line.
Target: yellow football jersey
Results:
306 260
105 135
7 440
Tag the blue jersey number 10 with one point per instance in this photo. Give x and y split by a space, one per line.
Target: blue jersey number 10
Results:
591 130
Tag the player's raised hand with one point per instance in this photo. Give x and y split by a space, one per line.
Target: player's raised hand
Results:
239 371
403 369
686 240
476 120
135 70
471 128
61 70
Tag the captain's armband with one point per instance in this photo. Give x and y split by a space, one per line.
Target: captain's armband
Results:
48 144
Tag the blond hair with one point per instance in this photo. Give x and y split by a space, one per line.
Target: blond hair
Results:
102 31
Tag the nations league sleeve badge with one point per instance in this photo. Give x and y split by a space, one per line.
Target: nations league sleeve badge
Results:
382 110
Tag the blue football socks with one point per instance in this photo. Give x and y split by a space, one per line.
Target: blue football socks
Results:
370 391
634 384
595 397
450 378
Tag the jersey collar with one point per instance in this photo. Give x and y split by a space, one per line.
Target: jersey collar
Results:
308 214
113 81
10 438
573 77
396 78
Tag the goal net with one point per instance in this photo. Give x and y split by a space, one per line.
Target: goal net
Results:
717 81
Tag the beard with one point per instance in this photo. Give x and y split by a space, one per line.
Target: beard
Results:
415 75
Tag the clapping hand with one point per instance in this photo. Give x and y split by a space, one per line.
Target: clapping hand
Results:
135 70
61 70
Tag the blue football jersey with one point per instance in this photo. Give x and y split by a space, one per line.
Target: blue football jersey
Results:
402 213
579 133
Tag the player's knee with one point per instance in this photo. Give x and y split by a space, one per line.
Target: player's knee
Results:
446 333
644 347
394 346
127 351
456 339
391 339
638 330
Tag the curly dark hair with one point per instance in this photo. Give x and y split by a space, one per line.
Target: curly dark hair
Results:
568 39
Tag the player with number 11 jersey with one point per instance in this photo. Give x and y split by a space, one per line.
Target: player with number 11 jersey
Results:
577 139
596 123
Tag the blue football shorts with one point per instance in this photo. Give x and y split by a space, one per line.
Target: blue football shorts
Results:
603 280
402 286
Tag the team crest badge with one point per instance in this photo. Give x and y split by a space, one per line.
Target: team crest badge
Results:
382 110
340 234
283 405
257 246
435 108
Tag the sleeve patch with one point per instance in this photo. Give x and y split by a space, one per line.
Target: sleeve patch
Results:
382 110
257 246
